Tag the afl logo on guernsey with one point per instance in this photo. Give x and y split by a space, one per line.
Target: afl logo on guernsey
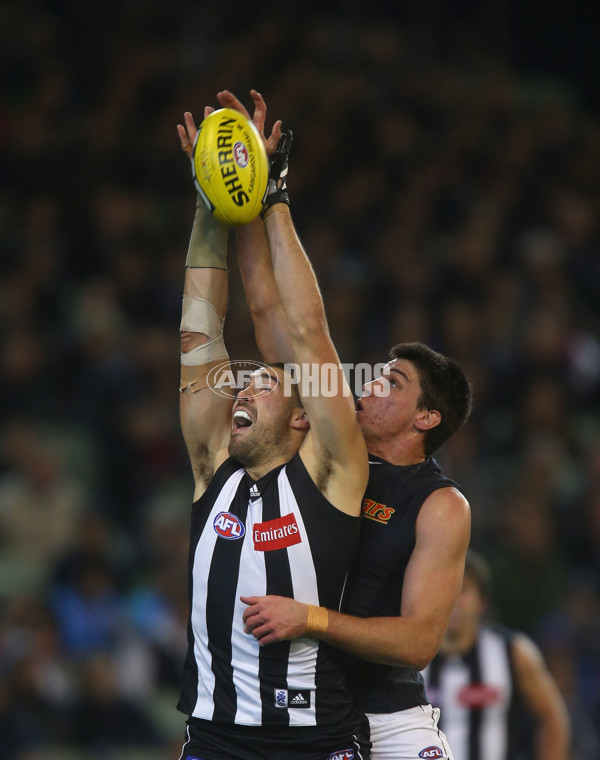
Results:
228 526
431 753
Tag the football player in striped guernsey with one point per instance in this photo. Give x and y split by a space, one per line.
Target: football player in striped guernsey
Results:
483 673
416 527
279 481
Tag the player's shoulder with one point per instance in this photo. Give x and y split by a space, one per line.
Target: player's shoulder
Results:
445 515
449 499
494 630
526 656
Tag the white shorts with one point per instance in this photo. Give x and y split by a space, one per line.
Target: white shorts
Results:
408 735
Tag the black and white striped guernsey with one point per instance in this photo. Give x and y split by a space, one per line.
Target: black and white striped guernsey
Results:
475 694
278 535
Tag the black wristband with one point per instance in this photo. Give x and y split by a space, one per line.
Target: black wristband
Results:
278 196
276 187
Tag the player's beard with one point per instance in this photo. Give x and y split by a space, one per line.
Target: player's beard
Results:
265 440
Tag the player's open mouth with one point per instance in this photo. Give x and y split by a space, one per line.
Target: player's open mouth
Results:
359 406
241 419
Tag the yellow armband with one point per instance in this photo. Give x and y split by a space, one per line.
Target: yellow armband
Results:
317 621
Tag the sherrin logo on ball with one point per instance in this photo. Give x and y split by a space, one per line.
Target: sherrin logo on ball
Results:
230 167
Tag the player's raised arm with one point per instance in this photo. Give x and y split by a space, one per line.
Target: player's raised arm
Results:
268 315
334 452
205 416
254 258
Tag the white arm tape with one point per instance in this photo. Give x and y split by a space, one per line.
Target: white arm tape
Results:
200 316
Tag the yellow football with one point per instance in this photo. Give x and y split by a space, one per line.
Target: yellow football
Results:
230 166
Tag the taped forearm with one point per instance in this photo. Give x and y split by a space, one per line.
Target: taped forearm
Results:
200 316
208 241
207 250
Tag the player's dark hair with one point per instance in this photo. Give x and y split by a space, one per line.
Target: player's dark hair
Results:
478 570
444 388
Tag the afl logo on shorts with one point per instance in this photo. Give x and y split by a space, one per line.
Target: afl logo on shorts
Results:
240 153
431 753
343 754
228 526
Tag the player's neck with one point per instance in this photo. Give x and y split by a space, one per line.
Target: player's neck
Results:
396 451
258 471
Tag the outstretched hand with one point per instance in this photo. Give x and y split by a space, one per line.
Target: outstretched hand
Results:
187 132
274 618
228 100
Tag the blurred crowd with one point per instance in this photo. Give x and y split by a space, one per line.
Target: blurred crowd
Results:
442 196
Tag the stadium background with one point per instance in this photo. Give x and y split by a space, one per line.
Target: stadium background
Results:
445 181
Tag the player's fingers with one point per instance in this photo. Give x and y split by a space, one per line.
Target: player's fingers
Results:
208 110
248 615
269 638
253 624
260 110
261 631
228 100
274 138
190 126
249 599
186 144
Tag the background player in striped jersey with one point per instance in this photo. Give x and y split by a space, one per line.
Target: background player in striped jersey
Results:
483 673
273 493
409 567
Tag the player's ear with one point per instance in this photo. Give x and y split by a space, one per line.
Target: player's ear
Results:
426 419
299 419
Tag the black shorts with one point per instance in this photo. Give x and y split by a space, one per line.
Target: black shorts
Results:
207 740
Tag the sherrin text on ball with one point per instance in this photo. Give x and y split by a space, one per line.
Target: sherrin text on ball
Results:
230 166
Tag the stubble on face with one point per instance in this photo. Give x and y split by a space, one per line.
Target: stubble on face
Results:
266 438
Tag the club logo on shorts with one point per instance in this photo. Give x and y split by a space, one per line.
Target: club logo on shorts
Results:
228 526
240 153
431 753
287 699
342 754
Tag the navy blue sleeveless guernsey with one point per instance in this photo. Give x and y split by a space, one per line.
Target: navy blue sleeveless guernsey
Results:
278 535
390 508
